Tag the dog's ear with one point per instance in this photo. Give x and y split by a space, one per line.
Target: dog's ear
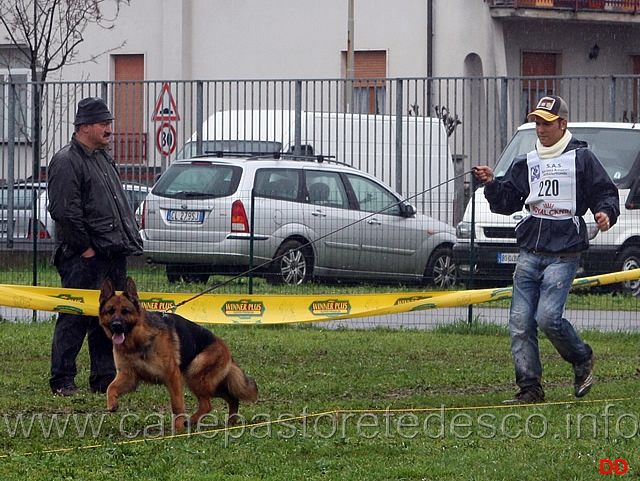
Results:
107 291
131 291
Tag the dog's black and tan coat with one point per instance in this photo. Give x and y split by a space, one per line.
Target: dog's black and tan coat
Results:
161 348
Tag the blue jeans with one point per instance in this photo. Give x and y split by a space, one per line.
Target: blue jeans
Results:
71 329
541 284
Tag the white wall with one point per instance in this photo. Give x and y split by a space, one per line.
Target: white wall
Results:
303 38
218 39
253 39
460 29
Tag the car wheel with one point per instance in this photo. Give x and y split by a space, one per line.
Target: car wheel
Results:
173 273
292 264
630 259
441 270
187 273
196 278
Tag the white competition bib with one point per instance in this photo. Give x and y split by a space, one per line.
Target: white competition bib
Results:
552 186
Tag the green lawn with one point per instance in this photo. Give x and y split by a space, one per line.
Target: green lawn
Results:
334 405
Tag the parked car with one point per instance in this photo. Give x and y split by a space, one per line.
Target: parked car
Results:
136 193
310 219
617 146
23 194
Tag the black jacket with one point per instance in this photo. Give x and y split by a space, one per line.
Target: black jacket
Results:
88 204
595 191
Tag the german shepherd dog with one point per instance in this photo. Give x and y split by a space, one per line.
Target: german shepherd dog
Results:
161 348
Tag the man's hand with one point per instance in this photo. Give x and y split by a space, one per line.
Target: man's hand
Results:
483 173
603 221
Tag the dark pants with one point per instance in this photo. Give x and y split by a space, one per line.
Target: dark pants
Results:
71 329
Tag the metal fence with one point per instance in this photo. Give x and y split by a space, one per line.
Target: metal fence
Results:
381 126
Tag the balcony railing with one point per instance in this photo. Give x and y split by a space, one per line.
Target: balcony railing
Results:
630 6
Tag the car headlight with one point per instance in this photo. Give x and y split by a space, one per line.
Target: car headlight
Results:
463 230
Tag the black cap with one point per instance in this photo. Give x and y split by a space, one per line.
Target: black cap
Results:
92 110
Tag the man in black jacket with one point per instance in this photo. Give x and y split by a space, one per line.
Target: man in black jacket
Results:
557 182
95 232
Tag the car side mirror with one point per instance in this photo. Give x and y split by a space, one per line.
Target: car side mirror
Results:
633 199
408 210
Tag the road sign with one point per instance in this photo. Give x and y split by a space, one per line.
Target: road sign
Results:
166 139
166 106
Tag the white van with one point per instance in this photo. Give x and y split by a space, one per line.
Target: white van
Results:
494 254
366 142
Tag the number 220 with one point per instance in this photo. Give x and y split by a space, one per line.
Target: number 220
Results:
549 188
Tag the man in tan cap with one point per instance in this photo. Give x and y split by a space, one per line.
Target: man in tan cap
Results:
557 182
95 232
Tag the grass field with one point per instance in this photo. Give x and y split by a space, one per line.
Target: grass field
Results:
334 405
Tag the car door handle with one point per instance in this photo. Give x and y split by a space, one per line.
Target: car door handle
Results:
318 213
374 221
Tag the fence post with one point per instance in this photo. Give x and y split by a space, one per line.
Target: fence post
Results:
612 99
200 117
104 91
251 237
472 252
297 147
11 157
37 95
504 109
399 107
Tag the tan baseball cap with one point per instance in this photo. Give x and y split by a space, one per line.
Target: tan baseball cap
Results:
550 108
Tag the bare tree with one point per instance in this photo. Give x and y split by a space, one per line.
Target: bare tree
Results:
47 34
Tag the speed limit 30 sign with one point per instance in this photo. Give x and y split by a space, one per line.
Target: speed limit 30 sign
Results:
166 139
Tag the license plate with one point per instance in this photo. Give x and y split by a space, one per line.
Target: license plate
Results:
507 258
185 216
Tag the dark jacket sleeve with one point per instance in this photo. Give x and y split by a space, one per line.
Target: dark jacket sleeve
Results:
602 194
507 194
65 201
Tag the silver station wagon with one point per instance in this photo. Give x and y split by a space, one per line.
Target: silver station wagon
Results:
289 220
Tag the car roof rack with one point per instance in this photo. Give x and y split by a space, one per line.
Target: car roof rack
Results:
224 153
319 158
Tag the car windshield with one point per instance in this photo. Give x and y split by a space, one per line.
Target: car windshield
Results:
617 149
198 180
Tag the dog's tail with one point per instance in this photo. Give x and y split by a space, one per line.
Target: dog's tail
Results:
240 385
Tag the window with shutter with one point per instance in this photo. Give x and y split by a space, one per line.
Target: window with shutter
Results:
129 136
534 66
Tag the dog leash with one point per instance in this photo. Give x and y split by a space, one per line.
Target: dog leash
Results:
243 274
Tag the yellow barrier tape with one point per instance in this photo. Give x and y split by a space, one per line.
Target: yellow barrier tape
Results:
272 309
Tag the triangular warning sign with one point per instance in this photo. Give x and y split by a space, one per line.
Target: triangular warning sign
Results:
166 106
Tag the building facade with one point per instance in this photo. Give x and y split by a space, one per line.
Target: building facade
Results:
257 39
436 56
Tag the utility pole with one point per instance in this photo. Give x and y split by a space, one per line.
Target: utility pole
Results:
350 60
